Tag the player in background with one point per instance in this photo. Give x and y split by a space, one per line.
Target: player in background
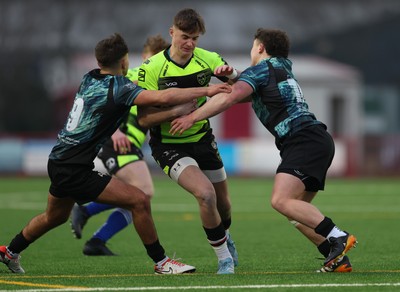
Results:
123 158
192 160
306 148
104 97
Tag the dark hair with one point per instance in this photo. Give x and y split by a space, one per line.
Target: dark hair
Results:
275 41
155 44
189 21
110 50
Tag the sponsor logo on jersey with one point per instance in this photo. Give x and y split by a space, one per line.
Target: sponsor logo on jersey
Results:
171 84
130 86
142 75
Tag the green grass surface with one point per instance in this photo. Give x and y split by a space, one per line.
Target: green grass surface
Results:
273 255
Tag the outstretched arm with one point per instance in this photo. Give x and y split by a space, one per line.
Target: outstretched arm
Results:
150 116
220 102
174 96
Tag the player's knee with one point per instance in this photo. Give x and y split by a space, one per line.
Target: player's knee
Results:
206 196
141 203
278 204
55 220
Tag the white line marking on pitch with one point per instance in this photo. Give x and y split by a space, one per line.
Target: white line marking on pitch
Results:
271 286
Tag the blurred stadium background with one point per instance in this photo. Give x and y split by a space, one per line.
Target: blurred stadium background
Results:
345 53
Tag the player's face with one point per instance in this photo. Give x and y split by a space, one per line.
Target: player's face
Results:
184 43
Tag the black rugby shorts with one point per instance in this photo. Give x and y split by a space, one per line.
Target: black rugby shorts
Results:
307 154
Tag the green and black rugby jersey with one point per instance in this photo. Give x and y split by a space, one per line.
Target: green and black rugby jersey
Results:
130 126
161 72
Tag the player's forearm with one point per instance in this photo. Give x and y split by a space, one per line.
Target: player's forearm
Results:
174 96
212 107
152 116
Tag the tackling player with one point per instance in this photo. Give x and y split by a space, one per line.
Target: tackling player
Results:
122 157
104 97
306 148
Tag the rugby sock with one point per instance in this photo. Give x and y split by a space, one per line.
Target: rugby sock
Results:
117 221
222 251
94 208
324 248
156 251
227 223
335 232
324 227
18 244
328 229
217 239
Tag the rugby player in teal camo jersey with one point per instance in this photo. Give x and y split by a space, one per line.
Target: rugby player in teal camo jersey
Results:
306 148
192 159
122 157
104 97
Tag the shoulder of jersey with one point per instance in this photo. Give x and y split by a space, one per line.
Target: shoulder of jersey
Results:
154 59
202 52
132 73
133 70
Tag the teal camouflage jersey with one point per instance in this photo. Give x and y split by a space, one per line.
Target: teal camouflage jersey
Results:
100 105
277 99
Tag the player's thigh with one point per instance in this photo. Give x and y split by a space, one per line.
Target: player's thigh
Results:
137 174
286 186
58 209
307 196
194 181
121 194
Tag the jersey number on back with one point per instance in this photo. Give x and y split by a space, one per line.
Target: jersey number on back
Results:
75 115
296 89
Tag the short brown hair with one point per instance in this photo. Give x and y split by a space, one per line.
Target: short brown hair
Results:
275 41
155 44
110 50
189 21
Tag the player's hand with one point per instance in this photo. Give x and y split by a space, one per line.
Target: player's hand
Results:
213 89
181 124
121 142
223 70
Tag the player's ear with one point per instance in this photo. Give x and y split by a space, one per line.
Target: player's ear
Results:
171 31
125 63
261 48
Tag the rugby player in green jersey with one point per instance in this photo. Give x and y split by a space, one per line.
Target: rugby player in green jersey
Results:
306 148
192 159
104 97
